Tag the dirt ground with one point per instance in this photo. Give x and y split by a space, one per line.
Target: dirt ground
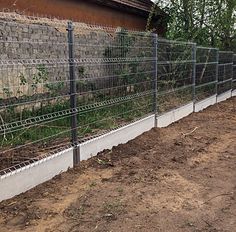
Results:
180 178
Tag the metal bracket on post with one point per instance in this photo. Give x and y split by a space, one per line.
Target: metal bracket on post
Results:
155 106
73 101
194 58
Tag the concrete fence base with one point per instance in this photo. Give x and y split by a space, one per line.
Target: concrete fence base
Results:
234 93
174 115
224 96
201 105
114 138
23 179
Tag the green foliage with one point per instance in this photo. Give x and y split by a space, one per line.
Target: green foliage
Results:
55 88
206 22
123 42
40 76
7 92
90 122
120 49
124 46
81 71
130 76
23 80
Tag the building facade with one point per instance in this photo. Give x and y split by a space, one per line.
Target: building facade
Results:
130 14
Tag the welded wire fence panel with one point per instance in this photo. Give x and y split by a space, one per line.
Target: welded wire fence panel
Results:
175 74
114 77
34 89
234 73
206 72
225 72
110 77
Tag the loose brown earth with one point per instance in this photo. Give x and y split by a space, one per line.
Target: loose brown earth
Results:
180 178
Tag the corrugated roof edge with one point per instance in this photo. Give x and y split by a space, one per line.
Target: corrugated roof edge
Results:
144 5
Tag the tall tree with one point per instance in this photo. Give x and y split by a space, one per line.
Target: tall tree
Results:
206 22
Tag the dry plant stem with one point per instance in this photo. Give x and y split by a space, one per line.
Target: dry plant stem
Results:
220 195
184 135
205 66
4 132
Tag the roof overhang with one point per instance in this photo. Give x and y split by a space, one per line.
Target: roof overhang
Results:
140 7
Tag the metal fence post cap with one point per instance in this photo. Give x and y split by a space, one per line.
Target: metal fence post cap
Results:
156 37
70 26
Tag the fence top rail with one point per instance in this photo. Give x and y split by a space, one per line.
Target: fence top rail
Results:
80 60
33 61
207 63
207 48
226 52
160 39
225 64
97 27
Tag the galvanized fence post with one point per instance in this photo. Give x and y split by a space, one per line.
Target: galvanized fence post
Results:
217 72
194 59
73 100
155 106
234 76
232 73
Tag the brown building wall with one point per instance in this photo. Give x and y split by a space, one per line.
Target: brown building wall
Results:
78 10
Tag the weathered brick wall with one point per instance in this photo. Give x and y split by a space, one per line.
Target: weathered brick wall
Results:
33 45
39 51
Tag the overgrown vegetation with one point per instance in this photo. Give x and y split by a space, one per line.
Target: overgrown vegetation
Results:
206 22
127 80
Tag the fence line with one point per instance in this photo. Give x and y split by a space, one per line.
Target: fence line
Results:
62 84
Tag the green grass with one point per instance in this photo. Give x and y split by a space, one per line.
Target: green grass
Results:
89 123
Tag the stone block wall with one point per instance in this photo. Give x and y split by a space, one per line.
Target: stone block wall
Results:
32 50
34 57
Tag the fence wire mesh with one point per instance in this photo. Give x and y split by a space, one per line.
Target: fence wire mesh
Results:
206 72
114 78
225 72
34 90
175 66
61 79
234 73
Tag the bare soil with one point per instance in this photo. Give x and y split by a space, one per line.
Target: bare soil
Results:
180 178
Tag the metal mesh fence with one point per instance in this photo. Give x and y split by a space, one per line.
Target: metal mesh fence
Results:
175 70
225 71
114 78
206 72
234 73
34 90
62 83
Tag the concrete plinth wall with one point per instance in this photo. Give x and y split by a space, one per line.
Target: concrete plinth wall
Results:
21 180
114 138
233 93
199 106
25 178
174 115
224 96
